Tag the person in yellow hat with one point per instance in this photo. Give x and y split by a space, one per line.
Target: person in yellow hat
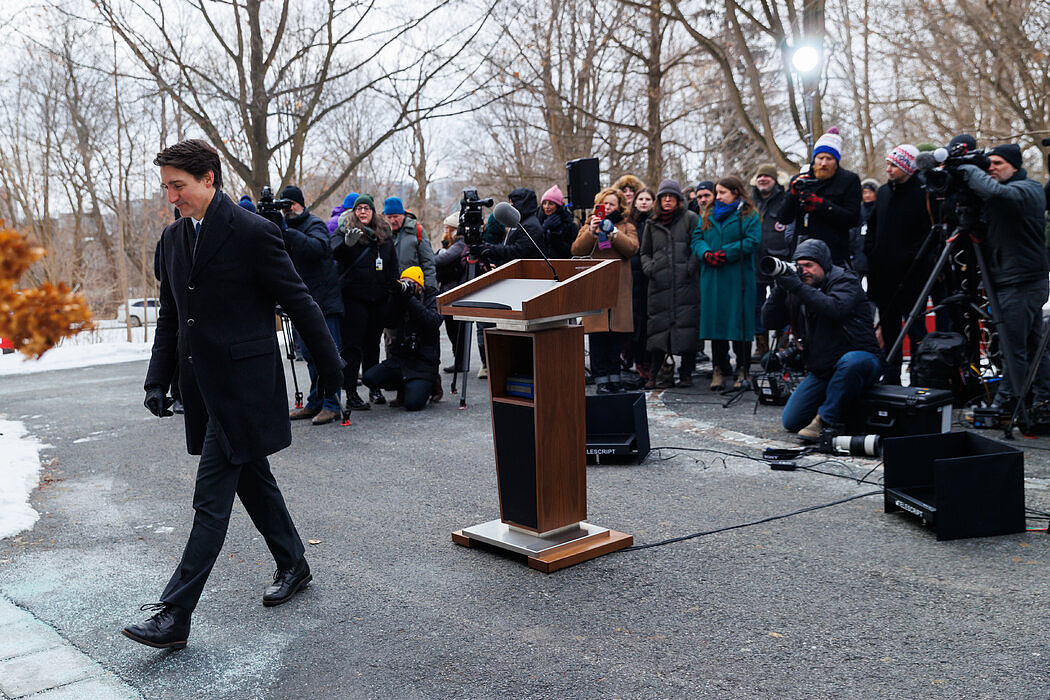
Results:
414 355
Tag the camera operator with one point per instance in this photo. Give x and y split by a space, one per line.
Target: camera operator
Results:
364 249
518 245
306 238
769 198
414 356
834 323
1017 263
896 231
825 202
451 265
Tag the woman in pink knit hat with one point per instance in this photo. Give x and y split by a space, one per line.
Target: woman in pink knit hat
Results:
559 229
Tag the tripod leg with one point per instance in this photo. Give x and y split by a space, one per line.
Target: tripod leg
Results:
920 304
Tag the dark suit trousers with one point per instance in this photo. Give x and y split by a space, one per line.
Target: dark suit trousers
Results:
217 482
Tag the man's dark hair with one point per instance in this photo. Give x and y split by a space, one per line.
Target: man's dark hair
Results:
195 156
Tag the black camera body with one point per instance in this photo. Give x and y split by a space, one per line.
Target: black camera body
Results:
270 208
472 218
947 178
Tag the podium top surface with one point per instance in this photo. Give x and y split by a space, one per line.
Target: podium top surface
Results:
505 294
525 291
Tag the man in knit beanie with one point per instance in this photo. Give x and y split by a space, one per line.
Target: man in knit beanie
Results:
825 201
1016 259
896 231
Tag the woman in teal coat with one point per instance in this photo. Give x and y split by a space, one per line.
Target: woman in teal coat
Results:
725 241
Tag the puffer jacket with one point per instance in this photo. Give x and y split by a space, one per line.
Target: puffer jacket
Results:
673 300
414 248
829 320
518 245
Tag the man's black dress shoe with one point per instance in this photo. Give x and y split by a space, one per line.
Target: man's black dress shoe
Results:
354 402
286 583
167 629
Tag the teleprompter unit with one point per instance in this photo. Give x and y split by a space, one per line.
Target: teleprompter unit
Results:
961 484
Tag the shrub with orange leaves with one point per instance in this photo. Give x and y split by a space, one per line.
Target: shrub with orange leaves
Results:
35 319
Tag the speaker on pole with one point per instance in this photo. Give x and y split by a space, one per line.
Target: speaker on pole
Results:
582 175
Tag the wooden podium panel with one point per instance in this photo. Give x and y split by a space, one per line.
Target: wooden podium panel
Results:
539 443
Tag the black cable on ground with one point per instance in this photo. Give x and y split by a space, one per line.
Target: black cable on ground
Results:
749 524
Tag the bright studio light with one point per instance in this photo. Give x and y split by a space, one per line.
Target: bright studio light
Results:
805 59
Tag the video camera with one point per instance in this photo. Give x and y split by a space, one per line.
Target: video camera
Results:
270 208
945 178
472 218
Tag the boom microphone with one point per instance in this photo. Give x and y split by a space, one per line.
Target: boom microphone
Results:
510 217
930 159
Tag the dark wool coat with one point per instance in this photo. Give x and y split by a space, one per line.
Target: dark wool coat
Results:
307 241
833 220
673 271
727 293
217 322
897 228
619 318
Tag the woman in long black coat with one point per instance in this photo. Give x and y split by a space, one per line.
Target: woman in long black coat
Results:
673 272
367 261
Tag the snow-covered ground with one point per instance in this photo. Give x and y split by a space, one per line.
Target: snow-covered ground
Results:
19 474
104 346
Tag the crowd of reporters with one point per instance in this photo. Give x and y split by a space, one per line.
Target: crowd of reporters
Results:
689 275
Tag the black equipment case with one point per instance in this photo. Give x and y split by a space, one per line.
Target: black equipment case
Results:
893 411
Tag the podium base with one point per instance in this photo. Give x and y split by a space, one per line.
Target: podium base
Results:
557 551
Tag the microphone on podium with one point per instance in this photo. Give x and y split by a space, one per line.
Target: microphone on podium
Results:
509 217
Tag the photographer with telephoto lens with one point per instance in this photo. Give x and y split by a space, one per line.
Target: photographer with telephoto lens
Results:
834 323
1017 263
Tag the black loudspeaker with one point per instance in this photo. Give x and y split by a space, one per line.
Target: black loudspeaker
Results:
582 175
962 484
617 428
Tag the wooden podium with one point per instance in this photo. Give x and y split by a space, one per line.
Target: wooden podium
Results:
540 442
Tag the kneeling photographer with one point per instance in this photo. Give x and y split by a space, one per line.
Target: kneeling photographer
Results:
414 356
834 323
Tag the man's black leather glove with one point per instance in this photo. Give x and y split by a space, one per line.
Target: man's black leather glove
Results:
789 281
329 383
158 402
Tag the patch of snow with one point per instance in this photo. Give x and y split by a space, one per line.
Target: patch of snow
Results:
19 475
99 347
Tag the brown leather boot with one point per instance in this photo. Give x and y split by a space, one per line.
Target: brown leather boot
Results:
717 380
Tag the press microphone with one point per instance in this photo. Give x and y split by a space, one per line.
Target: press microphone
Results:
509 217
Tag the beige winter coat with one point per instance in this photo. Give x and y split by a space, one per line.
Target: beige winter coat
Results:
624 241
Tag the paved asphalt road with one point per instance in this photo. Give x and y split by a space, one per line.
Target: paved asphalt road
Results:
840 602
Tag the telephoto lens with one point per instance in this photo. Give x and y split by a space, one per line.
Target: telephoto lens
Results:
858 445
774 267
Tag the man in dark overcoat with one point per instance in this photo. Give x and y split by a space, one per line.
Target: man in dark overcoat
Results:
223 270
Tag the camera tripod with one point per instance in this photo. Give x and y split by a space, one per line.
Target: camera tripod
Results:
964 234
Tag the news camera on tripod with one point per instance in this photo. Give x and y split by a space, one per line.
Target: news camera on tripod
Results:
1017 263
834 323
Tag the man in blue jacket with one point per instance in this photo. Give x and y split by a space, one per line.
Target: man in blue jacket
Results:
1017 263
306 238
223 271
